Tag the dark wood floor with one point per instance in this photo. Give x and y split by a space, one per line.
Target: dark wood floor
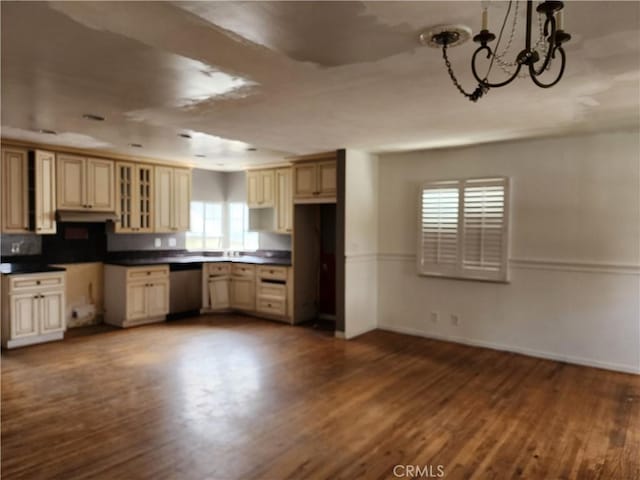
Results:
235 398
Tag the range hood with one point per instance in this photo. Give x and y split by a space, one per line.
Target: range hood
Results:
83 216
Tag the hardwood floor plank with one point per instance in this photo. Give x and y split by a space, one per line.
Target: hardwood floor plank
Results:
226 397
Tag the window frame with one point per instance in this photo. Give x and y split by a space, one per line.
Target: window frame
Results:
459 271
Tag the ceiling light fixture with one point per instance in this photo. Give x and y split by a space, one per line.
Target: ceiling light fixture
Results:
252 149
546 48
48 132
184 135
201 156
91 116
135 145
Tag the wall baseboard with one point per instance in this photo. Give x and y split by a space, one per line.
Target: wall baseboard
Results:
351 336
585 362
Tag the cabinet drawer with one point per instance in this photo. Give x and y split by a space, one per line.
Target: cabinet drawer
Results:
271 306
218 268
243 269
272 273
19 283
147 273
276 291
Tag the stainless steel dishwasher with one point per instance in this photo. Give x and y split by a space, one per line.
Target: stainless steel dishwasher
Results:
185 295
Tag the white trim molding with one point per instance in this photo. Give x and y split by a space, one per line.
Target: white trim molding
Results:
585 362
541 264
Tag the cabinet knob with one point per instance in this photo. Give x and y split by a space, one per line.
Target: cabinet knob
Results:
37 282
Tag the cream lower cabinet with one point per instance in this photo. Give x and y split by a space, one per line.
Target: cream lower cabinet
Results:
136 295
243 287
273 295
215 287
33 308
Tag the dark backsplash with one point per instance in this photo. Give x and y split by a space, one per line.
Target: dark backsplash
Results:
75 242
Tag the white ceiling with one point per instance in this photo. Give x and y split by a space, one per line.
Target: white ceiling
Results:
292 78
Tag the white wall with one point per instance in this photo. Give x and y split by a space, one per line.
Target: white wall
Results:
574 293
361 243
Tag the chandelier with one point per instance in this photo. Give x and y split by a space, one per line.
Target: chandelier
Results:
536 58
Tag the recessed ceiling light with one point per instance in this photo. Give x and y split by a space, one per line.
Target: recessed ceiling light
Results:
91 116
48 132
220 164
252 149
184 135
201 156
135 145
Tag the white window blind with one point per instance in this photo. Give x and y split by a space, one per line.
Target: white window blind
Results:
464 228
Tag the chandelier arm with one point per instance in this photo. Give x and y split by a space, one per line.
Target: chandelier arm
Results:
562 65
551 50
473 96
484 81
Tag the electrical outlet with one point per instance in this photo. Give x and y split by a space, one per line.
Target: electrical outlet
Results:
434 317
172 242
157 243
15 247
455 320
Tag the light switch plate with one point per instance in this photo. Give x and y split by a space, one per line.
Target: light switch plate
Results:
157 243
172 242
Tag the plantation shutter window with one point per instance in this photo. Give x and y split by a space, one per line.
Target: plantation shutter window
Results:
464 229
439 228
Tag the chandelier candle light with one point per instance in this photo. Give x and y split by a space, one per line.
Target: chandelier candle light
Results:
547 47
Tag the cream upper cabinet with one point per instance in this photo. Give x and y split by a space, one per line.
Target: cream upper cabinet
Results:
260 188
173 199
327 184
284 200
134 198
305 180
15 190
45 192
100 181
181 199
71 183
85 184
315 181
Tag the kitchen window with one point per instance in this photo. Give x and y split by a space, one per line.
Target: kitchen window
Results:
220 226
464 229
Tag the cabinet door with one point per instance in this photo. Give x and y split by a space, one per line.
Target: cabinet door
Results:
143 196
181 200
304 180
163 204
158 298
243 293
266 190
100 185
70 185
327 178
284 200
125 188
253 189
52 315
45 192
136 301
15 190
24 315
218 290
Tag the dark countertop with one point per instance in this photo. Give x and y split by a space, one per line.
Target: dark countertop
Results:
23 268
186 259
